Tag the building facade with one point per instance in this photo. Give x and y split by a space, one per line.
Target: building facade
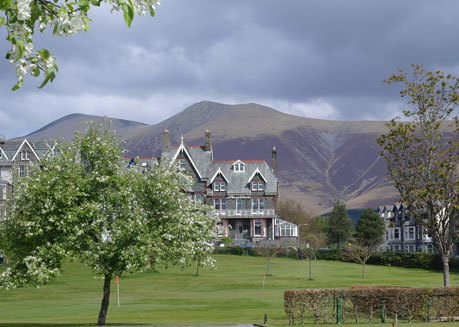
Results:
243 193
402 232
16 156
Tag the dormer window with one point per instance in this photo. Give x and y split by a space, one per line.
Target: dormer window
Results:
182 164
258 185
220 186
25 155
239 166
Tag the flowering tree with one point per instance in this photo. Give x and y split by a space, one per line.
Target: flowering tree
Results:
84 205
21 18
421 155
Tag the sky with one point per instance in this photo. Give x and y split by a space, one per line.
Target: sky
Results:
321 59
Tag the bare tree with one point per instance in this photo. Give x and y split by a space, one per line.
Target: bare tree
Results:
360 252
268 250
310 244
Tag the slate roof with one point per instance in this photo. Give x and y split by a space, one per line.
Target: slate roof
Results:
238 182
10 147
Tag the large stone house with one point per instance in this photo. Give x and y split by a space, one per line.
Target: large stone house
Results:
243 193
15 158
402 233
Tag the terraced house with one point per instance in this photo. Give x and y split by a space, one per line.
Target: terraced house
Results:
243 193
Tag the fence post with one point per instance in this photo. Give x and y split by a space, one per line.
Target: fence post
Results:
383 312
428 310
338 310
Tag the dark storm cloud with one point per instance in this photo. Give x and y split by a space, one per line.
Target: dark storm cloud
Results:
323 59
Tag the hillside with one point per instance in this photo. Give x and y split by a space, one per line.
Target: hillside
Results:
319 161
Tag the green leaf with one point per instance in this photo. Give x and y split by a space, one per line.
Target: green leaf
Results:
49 77
34 70
128 14
2 21
44 54
84 5
152 11
20 45
86 23
18 85
5 4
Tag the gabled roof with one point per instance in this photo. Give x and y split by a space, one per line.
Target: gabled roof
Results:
3 153
183 148
257 171
20 147
238 182
219 171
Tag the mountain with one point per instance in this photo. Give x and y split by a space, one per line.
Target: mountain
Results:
318 160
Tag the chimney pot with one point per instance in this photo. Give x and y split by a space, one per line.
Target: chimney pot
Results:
274 161
208 141
166 140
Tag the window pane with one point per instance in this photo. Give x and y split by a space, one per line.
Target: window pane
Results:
257 227
262 203
222 186
254 204
254 186
223 204
238 205
217 204
216 186
261 186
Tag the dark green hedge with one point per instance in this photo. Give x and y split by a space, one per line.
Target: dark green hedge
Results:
420 260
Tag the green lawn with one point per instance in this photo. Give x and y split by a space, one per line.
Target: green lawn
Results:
231 293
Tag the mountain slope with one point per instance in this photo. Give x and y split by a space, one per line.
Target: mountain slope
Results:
319 161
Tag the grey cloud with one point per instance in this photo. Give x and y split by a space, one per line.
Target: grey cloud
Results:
299 55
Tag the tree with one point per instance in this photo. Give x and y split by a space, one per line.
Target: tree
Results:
359 252
368 235
21 18
269 250
370 227
310 244
339 224
85 206
421 154
294 212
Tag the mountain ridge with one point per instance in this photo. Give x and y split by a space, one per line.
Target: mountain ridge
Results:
319 161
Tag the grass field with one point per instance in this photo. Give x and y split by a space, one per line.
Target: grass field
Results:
231 293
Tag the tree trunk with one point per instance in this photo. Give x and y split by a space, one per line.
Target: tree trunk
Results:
105 301
445 259
269 270
363 271
310 268
197 268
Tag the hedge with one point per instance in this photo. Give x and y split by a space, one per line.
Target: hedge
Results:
367 302
420 260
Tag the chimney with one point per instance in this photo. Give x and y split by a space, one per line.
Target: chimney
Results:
208 141
166 140
274 162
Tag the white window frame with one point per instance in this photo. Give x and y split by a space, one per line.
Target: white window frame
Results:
398 232
220 186
182 164
411 233
239 167
217 206
23 155
254 185
22 171
261 185
223 205
258 205
238 206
